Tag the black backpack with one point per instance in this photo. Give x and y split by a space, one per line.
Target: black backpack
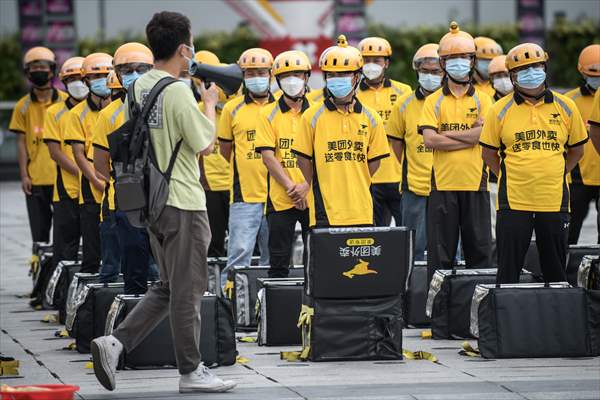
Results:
141 188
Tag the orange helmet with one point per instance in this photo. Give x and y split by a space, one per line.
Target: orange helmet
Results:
71 66
525 54
97 63
589 60
456 42
291 61
112 82
206 57
341 58
427 51
39 54
497 65
133 52
375 47
255 58
487 48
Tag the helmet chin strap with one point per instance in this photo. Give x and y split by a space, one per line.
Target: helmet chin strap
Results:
468 81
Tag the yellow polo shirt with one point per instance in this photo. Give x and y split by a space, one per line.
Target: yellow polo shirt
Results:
587 171
460 170
383 100
215 168
66 185
79 128
28 119
486 87
278 125
248 173
110 118
417 160
532 140
340 145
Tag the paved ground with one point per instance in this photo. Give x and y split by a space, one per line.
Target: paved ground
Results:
264 377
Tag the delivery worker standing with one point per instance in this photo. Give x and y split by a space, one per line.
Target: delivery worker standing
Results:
451 124
278 125
409 148
499 77
340 144
380 93
237 140
66 232
79 131
38 171
585 177
485 51
531 140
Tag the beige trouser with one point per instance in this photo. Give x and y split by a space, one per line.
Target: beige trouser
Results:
179 243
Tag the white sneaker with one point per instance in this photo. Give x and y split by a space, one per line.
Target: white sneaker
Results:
106 351
202 380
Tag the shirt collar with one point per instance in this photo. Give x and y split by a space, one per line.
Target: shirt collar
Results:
548 97
249 100
283 106
447 92
53 98
419 93
91 104
71 102
585 90
364 86
357 108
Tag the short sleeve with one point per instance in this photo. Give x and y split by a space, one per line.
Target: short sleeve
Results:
578 133
304 142
595 115
73 128
490 133
196 130
395 127
51 132
266 138
17 120
486 103
101 131
225 124
378 144
429 119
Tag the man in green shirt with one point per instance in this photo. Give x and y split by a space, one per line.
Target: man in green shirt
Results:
181 236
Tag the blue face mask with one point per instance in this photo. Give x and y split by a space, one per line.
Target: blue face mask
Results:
257 84
531 78
128 79
430 82
482 68
99 88
340 86
458 68
593 81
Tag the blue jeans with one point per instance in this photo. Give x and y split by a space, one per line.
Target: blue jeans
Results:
136 258
247 221
414 216
110 249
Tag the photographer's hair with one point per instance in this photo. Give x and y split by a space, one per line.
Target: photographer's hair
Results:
165 32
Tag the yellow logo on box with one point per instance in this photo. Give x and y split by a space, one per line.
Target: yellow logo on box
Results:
360 242
362 268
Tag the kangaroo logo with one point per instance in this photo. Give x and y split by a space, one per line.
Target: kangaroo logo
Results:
362 268
555 115
472 109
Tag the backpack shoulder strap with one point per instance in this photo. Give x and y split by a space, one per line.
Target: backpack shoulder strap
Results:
153 95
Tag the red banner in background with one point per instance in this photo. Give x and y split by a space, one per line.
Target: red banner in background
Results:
313 47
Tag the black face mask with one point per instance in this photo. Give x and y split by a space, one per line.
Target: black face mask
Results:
39 78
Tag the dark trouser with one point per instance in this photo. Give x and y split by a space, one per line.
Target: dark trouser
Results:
180 243
217 207
513 236
90 232
387 201
282 226
39 211
581 196
414 216
110 248
136 257
451 212
67 230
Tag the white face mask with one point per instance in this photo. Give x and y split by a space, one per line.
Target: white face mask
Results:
503 85
78 90
292 85
372 71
